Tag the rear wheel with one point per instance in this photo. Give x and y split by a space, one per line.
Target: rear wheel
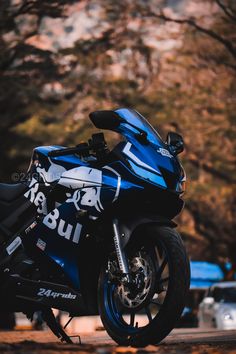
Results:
145 311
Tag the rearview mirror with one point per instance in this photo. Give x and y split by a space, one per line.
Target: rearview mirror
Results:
175 142
105 119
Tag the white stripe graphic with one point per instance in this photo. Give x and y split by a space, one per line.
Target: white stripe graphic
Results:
118 182
133 157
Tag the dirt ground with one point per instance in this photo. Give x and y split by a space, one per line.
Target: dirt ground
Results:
180 341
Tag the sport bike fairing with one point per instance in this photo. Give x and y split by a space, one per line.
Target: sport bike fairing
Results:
93 190
87 189
91 232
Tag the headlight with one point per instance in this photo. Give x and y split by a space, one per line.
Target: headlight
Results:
181 187
227 317
182 184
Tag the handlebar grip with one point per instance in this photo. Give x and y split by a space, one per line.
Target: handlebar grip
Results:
62 152
81 148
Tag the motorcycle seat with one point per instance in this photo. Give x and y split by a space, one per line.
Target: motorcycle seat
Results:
10 192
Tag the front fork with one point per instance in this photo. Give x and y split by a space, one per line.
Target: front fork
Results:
122 260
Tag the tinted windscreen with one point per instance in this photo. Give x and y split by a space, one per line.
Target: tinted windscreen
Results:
135 118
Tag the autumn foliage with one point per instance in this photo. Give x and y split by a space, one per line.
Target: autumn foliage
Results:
176 65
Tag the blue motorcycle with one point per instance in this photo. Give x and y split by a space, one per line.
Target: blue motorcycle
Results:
89 231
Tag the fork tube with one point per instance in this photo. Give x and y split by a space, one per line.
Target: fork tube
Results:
123 264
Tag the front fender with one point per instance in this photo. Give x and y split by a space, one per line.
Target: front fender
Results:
127 226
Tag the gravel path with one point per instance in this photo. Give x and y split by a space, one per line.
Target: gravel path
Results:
180 341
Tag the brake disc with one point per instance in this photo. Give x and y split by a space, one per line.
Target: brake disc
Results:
142 289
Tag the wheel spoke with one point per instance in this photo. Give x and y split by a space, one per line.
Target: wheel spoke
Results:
162 267
163 280
132 317
148 312
156 303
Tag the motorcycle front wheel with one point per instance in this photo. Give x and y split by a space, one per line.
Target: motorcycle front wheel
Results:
147 311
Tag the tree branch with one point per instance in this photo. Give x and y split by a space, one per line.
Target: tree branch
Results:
24 8
226 10
226 43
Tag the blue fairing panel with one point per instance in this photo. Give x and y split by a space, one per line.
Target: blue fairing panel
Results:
68 161
150 176
58 236
148 162
151 161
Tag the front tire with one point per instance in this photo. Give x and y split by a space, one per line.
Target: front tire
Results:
140 317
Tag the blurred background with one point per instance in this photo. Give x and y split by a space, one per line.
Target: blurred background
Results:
173 60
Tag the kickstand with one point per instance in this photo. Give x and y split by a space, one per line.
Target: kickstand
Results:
55 327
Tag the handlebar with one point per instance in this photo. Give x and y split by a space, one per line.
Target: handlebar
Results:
96 144
82 148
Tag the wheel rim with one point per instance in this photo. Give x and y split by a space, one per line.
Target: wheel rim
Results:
131 314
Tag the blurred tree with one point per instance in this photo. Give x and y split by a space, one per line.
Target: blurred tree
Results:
175 68
24 69
203 94
222 32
